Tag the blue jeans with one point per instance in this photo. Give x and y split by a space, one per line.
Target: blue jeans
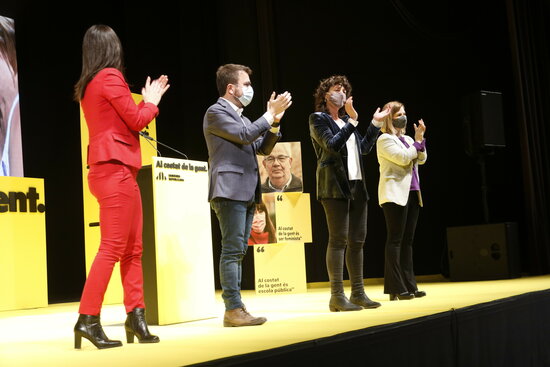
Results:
235 218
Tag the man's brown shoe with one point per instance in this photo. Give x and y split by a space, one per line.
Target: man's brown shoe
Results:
241 317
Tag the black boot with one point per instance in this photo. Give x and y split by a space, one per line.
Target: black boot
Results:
339 302
361 299
418 294
398 296
89 327
335 267
354 261
136 325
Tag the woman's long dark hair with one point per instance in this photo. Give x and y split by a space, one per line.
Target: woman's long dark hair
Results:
269 227
324 86
101 48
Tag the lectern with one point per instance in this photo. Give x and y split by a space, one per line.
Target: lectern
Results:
177 258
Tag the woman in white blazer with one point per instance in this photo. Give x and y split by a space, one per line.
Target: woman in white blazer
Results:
399 196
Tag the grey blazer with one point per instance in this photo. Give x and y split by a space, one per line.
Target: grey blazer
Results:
233 143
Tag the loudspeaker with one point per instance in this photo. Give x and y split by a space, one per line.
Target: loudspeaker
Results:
483 123
483 252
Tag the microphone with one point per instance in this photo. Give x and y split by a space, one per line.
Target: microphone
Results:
146 136
148 139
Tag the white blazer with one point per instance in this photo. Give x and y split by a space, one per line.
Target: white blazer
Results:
396 165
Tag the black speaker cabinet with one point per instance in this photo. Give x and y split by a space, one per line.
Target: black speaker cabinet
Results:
483 122
483 252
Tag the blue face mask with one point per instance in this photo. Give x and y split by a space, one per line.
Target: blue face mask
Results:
248 93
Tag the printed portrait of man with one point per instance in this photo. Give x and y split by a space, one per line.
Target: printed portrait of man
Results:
282 169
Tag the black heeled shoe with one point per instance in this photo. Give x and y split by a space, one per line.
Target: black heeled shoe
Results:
89 327
362 300
418 294
341 303
400 296
136 325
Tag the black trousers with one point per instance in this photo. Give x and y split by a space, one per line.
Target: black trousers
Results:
347 229
400 227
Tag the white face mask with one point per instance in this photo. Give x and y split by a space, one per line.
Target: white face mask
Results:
337 98
248 93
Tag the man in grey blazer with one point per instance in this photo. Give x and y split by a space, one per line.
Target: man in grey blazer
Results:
233 142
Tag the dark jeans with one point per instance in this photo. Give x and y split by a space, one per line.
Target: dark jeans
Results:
400 226
235 218
347 229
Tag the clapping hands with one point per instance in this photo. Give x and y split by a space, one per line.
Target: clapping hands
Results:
278 104
153 91
380 115
350 110
419 130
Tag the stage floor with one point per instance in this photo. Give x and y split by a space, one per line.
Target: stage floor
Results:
44 337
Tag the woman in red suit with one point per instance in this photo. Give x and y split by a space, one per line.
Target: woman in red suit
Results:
114 158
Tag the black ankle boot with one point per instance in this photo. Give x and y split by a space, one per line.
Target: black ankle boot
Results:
361 299
339 302
89 327
418 294
398 296
136 325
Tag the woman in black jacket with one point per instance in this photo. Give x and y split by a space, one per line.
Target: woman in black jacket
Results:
341 188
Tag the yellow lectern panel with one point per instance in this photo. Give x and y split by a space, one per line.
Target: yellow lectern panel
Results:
92 234
23 267
183 241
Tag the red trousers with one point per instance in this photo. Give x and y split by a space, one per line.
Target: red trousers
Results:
121 221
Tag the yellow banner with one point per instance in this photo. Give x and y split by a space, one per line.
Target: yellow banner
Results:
293 214
23 267
280 268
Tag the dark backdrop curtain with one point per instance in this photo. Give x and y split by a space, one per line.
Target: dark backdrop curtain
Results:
530 37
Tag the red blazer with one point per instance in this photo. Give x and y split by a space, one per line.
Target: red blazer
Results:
114 119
